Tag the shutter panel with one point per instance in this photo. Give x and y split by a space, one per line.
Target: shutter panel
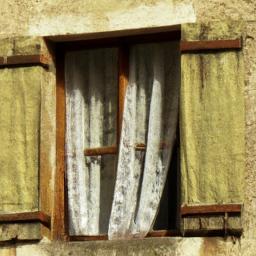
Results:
212 122
21 73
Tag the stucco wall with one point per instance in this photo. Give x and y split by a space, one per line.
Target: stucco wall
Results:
63 17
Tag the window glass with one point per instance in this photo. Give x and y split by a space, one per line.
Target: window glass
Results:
91 78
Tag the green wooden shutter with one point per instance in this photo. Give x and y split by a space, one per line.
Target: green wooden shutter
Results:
21 71
212 121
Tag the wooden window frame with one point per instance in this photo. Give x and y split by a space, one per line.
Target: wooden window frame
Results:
60 218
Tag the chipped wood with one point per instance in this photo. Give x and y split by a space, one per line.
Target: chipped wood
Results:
42 59
26 216
210 45
202 209
100 151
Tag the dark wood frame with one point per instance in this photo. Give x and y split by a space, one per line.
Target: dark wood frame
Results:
60 218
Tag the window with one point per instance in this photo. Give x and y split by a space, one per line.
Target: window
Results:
121 98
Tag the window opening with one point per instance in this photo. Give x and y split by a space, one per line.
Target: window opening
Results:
93 74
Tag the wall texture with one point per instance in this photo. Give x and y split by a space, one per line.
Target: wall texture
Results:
63 17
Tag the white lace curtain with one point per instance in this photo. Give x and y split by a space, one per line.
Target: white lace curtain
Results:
149 126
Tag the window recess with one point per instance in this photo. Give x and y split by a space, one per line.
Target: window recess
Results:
117 133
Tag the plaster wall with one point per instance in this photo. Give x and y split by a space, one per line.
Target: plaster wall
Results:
63 17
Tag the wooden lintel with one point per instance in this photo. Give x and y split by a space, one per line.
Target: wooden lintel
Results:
218 208
100 151
210 45
1 61
25 217
27 59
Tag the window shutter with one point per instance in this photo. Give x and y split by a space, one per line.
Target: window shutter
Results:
22 72
212 127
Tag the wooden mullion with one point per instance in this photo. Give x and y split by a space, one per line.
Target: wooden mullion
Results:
60 214
100 151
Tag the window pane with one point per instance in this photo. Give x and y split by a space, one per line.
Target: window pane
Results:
91 78
150 121
157 75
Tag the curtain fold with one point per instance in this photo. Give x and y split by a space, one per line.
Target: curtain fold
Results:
150 118
91 118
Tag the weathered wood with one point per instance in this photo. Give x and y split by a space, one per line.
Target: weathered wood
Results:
26 216
20 231
210 45
48 136
42 59
212 225
212 130
60 221
19 136
100 151
221 208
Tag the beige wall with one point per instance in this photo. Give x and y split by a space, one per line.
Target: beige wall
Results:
63 17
